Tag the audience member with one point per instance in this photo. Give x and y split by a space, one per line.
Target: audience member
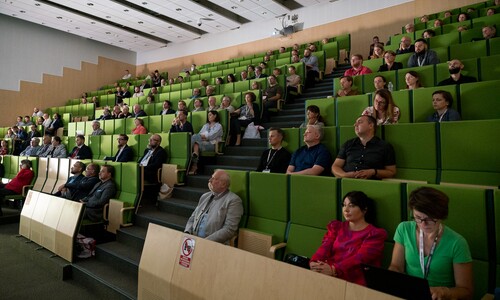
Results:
181 105
455 67
244 75
39 121
196 93
251 72
33 132
55 124
427 34
489 32
462 17
127 75
20 139
96 127
106 115
219 81
244 115
180 123
80 151
144 85
68 189
357 66
100 194
276 72
210 134
312 68
442 102
349 244
45 148
153 158
379 82
116 112
422 56
226 104
292 84
212 103
383 110
4 147
437 23
218 214
125 112
230 78
313 116
19 121
139 127
15 186
27 121
424 19
450 274
405 46
156 80
197 105
462 28
376 42
366 156
412 80
490 12
346 87
137 92
390 63
255 85
124 153
313 158
270 97
210 90
31 150
138 112
410 28
258 73
153 92
378 51
295 59
10 134
275 159
447 14
37 112
167 108
57 150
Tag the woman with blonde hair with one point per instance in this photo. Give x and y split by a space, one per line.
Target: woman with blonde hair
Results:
383 110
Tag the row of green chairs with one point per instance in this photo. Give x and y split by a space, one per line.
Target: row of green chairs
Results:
82 110
282 206
480 10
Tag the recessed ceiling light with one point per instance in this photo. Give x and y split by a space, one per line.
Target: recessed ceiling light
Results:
144 3
108 17
126 10
120 41
90 4
59 18
92 22
152 32
179 36
135 37
140 22
178 9
37 4
234 7
77 27
190 21
22 11
264 12
107 32
14 15
170 27
210 15
218 26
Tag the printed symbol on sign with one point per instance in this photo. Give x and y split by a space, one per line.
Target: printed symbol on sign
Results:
187 247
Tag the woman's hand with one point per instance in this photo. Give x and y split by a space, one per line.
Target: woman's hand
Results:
322 267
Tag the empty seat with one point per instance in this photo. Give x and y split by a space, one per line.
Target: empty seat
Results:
349 108
479 100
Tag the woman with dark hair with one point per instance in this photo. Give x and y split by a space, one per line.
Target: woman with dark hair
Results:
462 17
206 139
313 117
412 80
351 243
442 102
4 147
219 80
383 110
390 62
428 249
379 82
230 78
246 114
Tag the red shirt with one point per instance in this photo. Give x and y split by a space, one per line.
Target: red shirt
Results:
22 178
361 71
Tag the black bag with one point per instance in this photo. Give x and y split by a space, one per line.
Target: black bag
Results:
297 260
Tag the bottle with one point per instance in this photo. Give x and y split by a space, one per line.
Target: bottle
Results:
390 86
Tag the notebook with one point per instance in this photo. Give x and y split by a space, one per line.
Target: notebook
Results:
396 284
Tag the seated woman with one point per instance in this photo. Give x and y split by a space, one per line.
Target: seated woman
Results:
442 102
378 51
10 134
226 104
412 80
54 125
125 112
139 127
219 80
292 84
206 139
379 82
383 110
246 114
390 62
351 243
4 147
15 186
230 78
428 249
198 105
255 85
313 117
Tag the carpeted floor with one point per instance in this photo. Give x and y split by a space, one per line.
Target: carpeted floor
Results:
20 278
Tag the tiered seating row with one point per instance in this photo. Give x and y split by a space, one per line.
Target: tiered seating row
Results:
281 205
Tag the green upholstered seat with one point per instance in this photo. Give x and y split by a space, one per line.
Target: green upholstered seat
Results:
326 107
479 100
489 67
349 108
422 101
304 240
269 196
469 50
426 74
368 87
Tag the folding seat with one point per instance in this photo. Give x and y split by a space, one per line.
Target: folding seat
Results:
467 139
373 64
469 50
175 87
321 59
475 6
489 67
239 186
108 126
349 108
368 87
403 58
469 216
471 68
155 125
71 129
53 167
119 125
215 74
186 93
233 65
88 127
226 88
344 41
166 122
106 146
41 177
238 70
416 150
63 172
292 138
494 46
304 240
81 127
149 109
133 142
186 85
94 142
326 108
402 99
227 71
453 27
422 101
331 50
236 98
488 107
241 86
357 84
175 95
396 39
283 61
426 74
198 119
444 40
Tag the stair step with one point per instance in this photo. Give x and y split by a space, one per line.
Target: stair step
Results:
133 236
120 256
248 161
244 151
188 192
288 118
199 181
209 169
254 142
282 124
178 206
150 214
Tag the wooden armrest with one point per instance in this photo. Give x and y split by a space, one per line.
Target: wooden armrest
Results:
105 212
121 212
276 247
232 241
299 88
26 188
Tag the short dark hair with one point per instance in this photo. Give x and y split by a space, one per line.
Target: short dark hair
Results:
422 39
110 169
446 95
373 121
358 56
251 95
57 139
80 136
124 136
26 162
216 114
429 201
279 130
364 202
348 78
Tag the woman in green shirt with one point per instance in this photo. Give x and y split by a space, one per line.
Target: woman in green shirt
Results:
428 249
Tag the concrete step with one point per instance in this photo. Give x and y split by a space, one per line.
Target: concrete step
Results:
121 256
189 192
244 150
178 206
239 160
133 236
151 214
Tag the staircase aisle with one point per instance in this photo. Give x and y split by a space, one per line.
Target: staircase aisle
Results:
114 271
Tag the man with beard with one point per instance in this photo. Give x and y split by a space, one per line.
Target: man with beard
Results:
152 160
357 66
455 68
218 213
422 56
68 189
125 153
312 68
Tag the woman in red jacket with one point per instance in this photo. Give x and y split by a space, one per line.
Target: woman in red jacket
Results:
15 186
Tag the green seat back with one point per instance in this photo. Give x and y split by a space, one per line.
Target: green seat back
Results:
94 142
426 74
304 240
166 122
368 87
198 119
180 149
133 142
108 126
349 108
241 86
106 146
479 100
444 40
422 101
469 50
276 228
403 58
331 50
269 196
490 67
119 126
326 108
292 138
402 100
155 125
373 64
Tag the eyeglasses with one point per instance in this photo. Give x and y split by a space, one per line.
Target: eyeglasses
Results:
426 221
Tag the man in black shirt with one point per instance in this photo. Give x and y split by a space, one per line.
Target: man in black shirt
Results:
455 68
276 158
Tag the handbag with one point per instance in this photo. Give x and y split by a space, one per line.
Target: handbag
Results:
252 131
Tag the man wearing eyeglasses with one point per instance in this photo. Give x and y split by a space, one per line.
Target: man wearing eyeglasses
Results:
125 153
366 156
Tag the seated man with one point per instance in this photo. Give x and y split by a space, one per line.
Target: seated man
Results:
180 123
33 132
167 108
45 148
313 158
15 186
276 158
87 183
367 156
80 151
218 213
422 56
68 189
152 160
99 196
96 126
125 153
138 111
33 148
312 68
57 149
455 68
346 84
405 46
19 140
357 66
270 96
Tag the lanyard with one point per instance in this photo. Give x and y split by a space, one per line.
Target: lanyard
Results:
269 154
442 115
426 267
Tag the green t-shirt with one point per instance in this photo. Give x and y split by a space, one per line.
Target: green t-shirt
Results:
451 249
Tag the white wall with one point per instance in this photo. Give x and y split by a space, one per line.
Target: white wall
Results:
28 50
311 16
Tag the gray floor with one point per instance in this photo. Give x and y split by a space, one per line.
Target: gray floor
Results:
20 278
